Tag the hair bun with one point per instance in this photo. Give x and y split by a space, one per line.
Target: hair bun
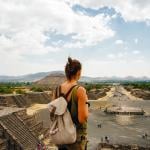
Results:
69 60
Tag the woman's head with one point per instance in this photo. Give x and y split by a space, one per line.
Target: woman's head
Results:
73 69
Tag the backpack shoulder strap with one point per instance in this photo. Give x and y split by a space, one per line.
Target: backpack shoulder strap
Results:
67 94
58 92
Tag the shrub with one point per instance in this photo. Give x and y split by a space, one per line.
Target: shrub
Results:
36 89
20 91
6 90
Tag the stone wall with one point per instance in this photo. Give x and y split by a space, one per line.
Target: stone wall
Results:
6 100
141 93
25 100
144 94
97 93
15 122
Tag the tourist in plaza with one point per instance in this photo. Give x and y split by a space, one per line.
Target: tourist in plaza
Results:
77 104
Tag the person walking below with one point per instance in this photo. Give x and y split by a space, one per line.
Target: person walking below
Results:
77 104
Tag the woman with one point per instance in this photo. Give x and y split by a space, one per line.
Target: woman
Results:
77 104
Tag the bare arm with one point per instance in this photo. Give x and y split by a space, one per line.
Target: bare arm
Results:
82 106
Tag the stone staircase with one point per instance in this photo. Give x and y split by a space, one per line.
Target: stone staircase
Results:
19 132
28 120
19 101
36 127
25 100
37 97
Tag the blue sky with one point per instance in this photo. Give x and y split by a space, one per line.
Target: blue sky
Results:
110 38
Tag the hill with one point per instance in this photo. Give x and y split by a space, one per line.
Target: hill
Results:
27 78
40 75
52 80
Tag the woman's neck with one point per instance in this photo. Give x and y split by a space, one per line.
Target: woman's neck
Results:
73 81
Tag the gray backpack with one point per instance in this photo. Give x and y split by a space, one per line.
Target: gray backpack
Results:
62 128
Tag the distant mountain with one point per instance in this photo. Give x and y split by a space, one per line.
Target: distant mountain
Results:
114 79
41 75
27 78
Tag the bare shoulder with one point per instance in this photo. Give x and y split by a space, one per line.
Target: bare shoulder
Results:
81 89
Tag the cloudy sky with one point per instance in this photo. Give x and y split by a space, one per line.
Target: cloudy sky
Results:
110 38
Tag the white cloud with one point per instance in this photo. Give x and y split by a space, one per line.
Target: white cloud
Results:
24 26
130 10
111 56
116 67
89 31
136 40
24 23
118 56
119 42
121 55
136 52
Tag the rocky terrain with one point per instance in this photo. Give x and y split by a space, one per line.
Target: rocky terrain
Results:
97 93
140 93
25 100
31 122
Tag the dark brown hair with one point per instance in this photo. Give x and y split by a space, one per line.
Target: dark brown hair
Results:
72 67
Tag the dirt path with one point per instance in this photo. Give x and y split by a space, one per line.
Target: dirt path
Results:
115 92
35 108
102 102
124 91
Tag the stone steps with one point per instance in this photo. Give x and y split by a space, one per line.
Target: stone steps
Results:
29 120
36 128
19 100
19 132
